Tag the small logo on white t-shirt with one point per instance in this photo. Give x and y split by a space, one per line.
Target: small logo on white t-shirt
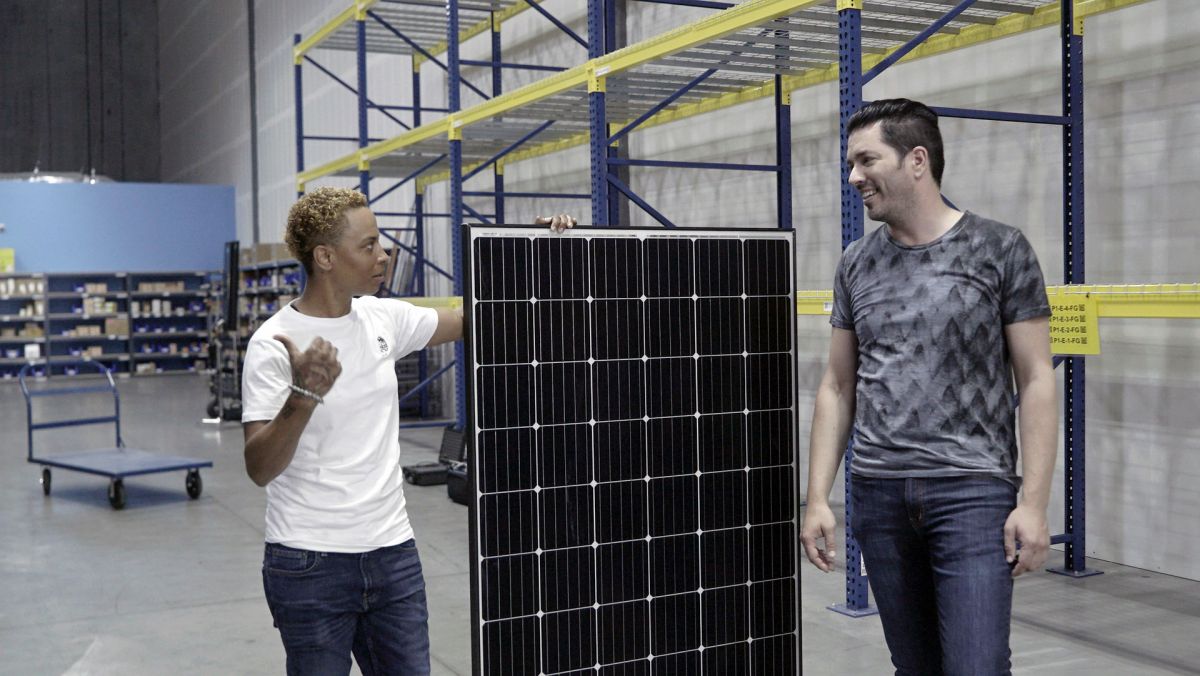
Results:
383 346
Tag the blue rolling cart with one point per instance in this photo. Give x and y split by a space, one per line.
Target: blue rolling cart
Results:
117 462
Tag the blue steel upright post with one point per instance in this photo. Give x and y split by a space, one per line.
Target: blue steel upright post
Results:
597 116
456 203
783 141
497 88
611 150
364 176
416 92
783 155
418 287
1074 408
850 95
298 78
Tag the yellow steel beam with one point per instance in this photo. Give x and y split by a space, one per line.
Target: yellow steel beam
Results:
426 180
536 91
452 302
361 158
1150 301
480 27
332 167
814 302
357 10
547 148
426 131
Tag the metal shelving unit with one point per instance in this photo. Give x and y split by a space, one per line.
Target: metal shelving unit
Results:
95 316
749 51
263 288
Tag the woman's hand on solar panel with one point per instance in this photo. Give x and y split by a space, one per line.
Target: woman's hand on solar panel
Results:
559 223
314 369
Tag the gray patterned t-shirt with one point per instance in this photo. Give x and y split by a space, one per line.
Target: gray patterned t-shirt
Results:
934 393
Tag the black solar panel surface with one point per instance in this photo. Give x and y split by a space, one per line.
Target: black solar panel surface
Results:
633 455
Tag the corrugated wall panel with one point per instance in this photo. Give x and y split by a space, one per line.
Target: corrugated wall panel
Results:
78 79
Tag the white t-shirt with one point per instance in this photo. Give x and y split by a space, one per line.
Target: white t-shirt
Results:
343 491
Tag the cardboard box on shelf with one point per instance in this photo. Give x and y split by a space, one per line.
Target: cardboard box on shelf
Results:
246 256
161 287
116 326
279 252
263 252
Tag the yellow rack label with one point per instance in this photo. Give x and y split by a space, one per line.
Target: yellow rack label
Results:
1074 328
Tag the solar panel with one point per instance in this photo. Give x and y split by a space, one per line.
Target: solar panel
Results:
631 443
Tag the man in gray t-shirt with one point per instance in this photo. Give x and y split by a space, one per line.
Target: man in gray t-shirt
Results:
934 388
935 315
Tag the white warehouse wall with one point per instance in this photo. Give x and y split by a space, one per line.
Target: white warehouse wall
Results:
1142 110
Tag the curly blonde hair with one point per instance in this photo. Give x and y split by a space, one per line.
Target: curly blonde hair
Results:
317 218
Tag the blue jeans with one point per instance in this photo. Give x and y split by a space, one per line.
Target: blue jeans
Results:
934 552
327 605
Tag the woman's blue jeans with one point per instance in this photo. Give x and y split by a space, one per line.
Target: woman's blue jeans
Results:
327 605
934 553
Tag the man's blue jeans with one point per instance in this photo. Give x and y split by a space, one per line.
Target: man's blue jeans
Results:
934 552
327 605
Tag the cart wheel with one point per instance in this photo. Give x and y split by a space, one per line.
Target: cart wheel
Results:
116 494
45 481
193 483
213 409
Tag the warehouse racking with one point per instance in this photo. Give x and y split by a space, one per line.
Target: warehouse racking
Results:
22 322
263 288
130 322
753 50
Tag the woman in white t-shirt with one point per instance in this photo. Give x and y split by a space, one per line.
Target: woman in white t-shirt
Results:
320 414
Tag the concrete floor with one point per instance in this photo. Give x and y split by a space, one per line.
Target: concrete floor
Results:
173 586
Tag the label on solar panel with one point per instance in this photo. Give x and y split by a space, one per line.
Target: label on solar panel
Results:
632 451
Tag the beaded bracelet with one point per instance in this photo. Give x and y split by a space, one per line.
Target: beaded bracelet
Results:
307 393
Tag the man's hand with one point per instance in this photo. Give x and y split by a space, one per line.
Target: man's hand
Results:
315 369
1026 525
819 523
559 223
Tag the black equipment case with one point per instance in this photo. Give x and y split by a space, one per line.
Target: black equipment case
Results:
453 450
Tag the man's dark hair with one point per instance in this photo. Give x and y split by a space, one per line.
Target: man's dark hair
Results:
904 125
